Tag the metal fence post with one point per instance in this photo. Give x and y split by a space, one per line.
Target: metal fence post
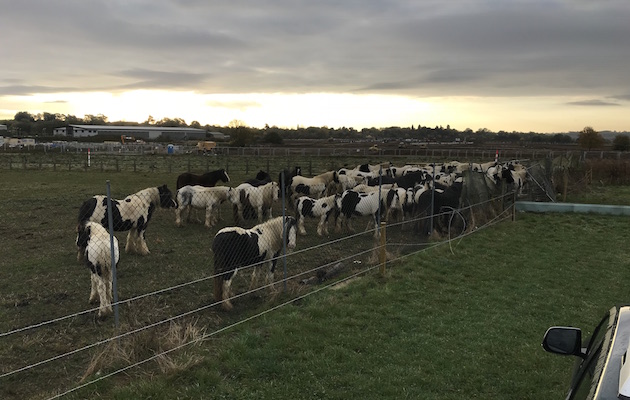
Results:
432 203
284 231
383 249
110 221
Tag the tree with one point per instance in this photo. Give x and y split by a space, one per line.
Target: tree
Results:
171 123
23 116
590 139
273 137
621 143
99 119
240 134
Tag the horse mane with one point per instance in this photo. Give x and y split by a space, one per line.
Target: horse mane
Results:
328 176
275 225
151 194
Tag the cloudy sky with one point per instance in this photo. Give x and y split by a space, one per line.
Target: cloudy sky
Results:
523 65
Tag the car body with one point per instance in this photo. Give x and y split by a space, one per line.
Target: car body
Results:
601 370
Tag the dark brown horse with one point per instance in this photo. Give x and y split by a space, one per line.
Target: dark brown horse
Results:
209 179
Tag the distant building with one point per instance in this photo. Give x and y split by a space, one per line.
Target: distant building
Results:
218 136
138 132
3 128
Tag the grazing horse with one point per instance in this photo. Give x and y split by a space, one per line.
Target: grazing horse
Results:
253 202
208 179
207 198
94 247
352 203
235 248
285 176
131 214
315 208
314 187
445 199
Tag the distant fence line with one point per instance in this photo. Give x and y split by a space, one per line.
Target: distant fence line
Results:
142 158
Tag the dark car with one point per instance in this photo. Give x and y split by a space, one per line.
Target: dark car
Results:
601 370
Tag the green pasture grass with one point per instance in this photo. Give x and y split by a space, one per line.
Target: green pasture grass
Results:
40 278
600 194
423 332
451 322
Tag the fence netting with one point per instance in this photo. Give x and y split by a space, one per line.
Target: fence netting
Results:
179 264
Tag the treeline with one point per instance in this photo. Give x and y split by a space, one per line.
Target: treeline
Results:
25 124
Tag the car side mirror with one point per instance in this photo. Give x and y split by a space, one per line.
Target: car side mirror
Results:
563 340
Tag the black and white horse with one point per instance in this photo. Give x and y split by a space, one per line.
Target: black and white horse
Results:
93 244
352 203
253 202
315 208
235 248
314 187
208 179
130 214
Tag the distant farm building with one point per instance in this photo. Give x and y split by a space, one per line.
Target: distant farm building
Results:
138 132
218 136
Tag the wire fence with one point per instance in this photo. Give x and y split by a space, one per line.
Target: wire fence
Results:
224 238
145 158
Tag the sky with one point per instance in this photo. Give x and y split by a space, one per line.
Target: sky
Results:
542 66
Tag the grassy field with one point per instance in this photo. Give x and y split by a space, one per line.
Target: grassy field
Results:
445 324
464 319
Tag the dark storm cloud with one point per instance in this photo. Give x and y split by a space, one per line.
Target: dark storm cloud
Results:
419 48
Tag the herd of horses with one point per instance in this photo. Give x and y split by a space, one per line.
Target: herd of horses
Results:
338 195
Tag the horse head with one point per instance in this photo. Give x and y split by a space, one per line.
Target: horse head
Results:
166 197
224 176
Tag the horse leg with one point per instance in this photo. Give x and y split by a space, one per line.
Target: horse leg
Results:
300 224
105 307
339 223
253 282
188 211
94 288
108 284
322 226
260 214
142 244
271 274
377 229
130 247
227 294
178 219
208 223
348 223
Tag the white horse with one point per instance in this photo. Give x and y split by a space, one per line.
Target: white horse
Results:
207 198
